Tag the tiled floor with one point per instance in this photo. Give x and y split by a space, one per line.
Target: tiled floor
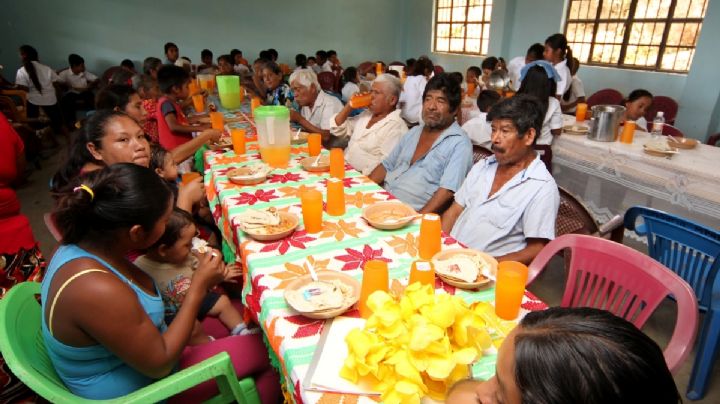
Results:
36 200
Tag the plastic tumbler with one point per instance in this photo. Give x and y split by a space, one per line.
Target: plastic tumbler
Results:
337 163
189 177
217 121
580 111
314 144
628 132
375 277
509 288
198 103
423 272
254 103
360 100
312 210
229 91
335 197
238 140
429 236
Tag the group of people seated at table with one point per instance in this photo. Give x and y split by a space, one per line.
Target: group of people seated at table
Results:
118 201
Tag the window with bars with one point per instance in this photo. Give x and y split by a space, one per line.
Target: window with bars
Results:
462 26
658 35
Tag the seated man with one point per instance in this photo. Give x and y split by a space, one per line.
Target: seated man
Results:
375 132
317 107
507 205
79 84
430 162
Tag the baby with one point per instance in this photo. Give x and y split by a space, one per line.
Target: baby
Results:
170 263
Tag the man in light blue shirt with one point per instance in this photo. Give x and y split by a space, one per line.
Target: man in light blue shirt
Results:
430 162
508 204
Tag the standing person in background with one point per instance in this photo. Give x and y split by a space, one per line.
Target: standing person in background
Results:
534 52
560 55
333 62
411 97
172 53
576 93
488 66
79 84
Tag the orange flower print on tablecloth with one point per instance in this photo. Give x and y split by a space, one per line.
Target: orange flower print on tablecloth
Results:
359 199
230 159
293 192
340 229
402 245
294 271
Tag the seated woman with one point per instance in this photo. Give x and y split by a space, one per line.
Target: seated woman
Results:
539 79
578 355
107 347
636 104
277 91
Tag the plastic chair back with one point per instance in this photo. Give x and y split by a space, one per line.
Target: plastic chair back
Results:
438 69
480 152
366 67
713 139
326 80
606 96
668 130
625 282
662 103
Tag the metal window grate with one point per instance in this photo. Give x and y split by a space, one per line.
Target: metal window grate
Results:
657 35
462 26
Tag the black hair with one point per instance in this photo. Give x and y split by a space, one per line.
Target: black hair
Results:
30 55
321 54
206 53
331 53
273 54
349 75
535 52
158 154
265 55
393 73
573 71
75 60
170 76
637 94
421 66
559 41
273 67
457 76
586 355
489 63
312 58
123 195
476 70
121 76
151 63
301 60
227 58
449 86
169 45
128 63
146 82
235 52
93 131
537 83
525 112
178 220
114 96
486 99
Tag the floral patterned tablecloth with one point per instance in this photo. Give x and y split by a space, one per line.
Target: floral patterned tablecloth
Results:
345 244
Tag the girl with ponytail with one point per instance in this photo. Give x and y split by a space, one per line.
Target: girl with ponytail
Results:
38 80
560 55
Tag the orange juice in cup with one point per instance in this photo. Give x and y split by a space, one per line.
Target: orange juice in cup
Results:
314 144
335 197
375 277
312 210
193 86
217 121
254 103
422 271
360 100
509 289
378 69
337 163
471 89
581 111
198 103
189 177
429 236
238 140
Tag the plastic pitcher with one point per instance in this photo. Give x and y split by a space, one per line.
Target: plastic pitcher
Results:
229 91
273 131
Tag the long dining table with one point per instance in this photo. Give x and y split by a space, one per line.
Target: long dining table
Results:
345 243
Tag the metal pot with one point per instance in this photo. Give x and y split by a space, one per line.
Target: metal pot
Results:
605 122
498 80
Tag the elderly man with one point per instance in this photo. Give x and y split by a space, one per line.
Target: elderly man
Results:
507 205
317 107
430 162
375 132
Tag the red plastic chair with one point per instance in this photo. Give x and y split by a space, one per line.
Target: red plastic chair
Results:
366 67
327 81
607 96
438 69
613 277
713 140
665 104
668 130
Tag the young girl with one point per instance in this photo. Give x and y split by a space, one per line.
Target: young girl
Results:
560 55
539 79
576 93
171 265
149 92
636 104
39 82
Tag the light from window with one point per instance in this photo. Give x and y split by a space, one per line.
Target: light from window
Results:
656 35
462 26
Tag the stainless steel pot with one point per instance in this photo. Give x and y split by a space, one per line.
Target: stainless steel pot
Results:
498 80
605 122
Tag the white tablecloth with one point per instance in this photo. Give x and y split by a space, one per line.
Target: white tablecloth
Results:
610 177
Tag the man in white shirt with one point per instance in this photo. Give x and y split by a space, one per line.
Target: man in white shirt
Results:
508 204
478 128
79 84
375 132
534 52
317 107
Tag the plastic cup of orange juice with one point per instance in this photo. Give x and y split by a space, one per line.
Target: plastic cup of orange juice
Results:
337 163
314 144
312 210
471 89
360 100
198 103
510 288
581 111
217 121
254 103
628 132
335 197
422 271
238 140
375 277
429 236
189 177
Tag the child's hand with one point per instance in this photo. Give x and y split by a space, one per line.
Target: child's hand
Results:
232 271
211 135
193 191
210 270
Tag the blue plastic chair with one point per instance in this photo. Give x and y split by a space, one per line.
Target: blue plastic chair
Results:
693 252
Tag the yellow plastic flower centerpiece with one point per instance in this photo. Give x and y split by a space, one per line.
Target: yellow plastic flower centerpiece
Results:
417 346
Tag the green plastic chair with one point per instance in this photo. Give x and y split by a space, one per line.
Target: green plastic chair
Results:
23 349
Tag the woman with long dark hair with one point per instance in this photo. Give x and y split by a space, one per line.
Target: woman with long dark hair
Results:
560 55
38 80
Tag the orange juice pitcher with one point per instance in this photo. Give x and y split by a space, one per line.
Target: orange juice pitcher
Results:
273 130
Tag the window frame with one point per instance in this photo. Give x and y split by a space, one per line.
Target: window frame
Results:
628 23
465 24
